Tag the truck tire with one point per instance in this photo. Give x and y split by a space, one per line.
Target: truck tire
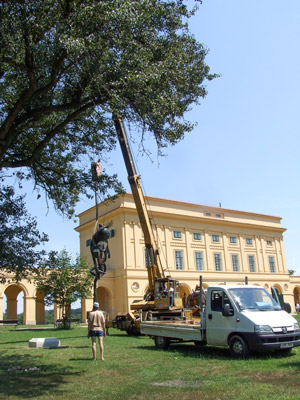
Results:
238 347
199 343
132 330
162 343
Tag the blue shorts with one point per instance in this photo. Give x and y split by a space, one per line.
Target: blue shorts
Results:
96 333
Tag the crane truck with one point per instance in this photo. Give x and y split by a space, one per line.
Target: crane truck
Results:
162 298
245 318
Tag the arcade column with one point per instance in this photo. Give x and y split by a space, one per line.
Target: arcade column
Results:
29 317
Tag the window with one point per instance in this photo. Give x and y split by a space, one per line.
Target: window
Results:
179 259
199 261
177 234
218 300
232 239
272 265
251 263
218 262
208 214
269 242
249 241
148 258
216 238
197 236
88 243
218 215
235 263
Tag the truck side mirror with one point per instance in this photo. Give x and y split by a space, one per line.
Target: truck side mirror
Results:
226 311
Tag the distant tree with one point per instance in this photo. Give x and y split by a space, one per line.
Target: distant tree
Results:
19 236
67 66
291 271
63 281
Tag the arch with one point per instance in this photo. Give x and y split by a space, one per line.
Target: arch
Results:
296 294
11 292
278 288
104 298
184 292
20 285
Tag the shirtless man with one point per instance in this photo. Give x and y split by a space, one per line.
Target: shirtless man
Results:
96 329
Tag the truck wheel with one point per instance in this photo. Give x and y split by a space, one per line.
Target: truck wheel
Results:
199 343
238 347
132 330
162 343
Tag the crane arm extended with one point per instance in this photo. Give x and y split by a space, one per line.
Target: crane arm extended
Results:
155 269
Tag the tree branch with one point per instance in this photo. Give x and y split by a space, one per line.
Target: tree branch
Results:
43 143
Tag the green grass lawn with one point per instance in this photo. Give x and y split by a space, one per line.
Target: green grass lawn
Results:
134 369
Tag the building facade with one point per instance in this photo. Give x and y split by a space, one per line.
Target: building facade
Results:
220 244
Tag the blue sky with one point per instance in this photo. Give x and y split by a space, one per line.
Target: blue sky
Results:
244 151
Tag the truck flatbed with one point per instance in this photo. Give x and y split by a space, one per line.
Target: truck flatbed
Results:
183 330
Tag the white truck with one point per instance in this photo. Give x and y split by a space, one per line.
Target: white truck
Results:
244 317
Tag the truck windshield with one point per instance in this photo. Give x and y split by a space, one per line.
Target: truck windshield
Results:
253 299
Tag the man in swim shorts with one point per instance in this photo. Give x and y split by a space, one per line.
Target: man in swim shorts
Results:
96 329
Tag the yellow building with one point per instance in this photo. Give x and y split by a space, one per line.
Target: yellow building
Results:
220 244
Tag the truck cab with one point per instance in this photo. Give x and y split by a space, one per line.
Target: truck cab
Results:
247 318
244 318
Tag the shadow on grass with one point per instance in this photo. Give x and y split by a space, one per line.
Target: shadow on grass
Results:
34 329
213 352
125 335
15 341
290 364
192 351
26 341
25 376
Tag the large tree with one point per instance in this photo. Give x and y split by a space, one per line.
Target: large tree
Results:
20 239
67 66
63 281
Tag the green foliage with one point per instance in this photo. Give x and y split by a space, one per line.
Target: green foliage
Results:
67 66
291 271
49 316
63 281
19 236
134 369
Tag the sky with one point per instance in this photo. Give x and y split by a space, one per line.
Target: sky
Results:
244 151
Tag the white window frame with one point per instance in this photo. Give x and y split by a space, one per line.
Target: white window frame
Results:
199 260
147 258
216 238
235 262
177 234
272 264
196 236
179 261
252 264
218 262
249 241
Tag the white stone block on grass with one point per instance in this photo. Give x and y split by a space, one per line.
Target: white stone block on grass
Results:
49 342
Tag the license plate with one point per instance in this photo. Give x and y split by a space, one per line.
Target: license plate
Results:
286 345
